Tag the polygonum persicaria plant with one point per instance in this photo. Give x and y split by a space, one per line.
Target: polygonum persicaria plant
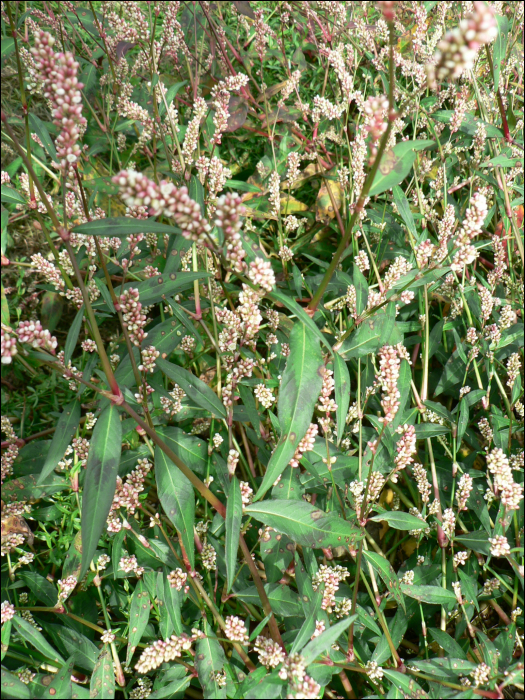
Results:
262 349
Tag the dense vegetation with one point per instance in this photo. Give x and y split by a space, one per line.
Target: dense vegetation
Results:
262 348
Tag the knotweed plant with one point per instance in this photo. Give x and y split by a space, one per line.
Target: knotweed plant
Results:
262 349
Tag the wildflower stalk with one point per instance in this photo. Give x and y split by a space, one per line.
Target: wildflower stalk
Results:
64 235
314 303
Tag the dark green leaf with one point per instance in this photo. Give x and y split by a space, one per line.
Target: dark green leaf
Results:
100 480
464 415
407 685
194 388
371 334
66 428
387 573
429 594
160 287
12 686
40 587
301 315
477 541
361 289
11 196
40 129
403 207
305 524
401 521
60 686
300 387
233 530
445 668
209 658
469 124
170 96
500 47
325 640
178 500
283 600
122 226
26 630
430 430
342 393
72 335
393 169
448 643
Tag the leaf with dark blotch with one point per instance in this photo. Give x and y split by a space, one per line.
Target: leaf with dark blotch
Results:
138 618
177 498
238 111
100 480
25 488
66 428
277 552
122 226
60 686
305 524
195 389
342 393
122 48
300 387
165 337
160 287
102 684
52 307
289 486
243 7
387 573
233 530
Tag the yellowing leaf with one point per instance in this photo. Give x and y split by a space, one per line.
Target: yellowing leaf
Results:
325 211
290 205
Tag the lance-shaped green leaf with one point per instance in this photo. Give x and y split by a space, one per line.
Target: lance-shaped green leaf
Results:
233 530
12 686
283 600
100 480
387 573
371 334
66 427
11 196
300 387
172 600
178 500
122 226
138 618
194 388
40 129
60 686
324 641
36 639
102 684
301 314
429 594
393 169
403 207
6 636
401 521
174 689
305 524
72 335
405 684
161 287
209 658
342 393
